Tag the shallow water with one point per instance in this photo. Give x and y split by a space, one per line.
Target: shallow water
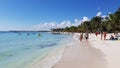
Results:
19 50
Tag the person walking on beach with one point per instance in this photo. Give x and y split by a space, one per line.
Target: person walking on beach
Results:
101 35
81 36
101 32
86 35
96 33
104 35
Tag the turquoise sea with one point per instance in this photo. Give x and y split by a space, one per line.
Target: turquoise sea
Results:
24 49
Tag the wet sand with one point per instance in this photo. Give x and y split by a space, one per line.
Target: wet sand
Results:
81 55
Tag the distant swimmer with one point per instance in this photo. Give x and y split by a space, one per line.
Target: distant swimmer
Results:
19 33
39 34
28 34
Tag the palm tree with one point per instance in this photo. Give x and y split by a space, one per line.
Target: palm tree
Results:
96 23
87 26
80 28
67 29
73 29
114 20
111 23
117 14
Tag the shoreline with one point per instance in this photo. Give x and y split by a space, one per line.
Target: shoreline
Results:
98 54
54 55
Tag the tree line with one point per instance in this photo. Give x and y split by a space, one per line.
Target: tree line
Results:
111 23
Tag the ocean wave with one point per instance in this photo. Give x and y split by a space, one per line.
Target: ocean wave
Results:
51 59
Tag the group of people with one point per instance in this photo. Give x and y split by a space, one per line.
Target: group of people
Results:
86 35
102 34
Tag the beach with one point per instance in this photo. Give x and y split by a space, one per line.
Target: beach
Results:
62 50
59 34
96 53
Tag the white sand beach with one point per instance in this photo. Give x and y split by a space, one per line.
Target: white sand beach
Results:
96 53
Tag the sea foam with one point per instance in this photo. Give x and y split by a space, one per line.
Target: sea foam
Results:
51 59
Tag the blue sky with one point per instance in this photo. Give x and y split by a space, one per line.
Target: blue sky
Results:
45 14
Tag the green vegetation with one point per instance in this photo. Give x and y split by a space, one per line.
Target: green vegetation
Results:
110 24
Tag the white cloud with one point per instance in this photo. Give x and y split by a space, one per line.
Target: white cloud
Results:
44 26
109 13
66 23
103 17
99 14
51 25
77 22
85 19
